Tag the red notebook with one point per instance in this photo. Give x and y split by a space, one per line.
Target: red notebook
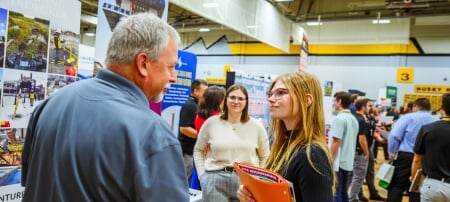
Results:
265 185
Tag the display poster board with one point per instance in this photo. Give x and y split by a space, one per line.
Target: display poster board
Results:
39 46
435 100
258 106
329 89
391 93
86 61
109 13
179 92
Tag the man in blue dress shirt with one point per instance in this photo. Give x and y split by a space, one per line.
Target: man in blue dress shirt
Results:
400 147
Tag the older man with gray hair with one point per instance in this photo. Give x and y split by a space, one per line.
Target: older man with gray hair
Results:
97 139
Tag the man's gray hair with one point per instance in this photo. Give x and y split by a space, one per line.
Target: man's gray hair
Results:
142 32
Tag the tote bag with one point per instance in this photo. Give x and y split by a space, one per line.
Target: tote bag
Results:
385 174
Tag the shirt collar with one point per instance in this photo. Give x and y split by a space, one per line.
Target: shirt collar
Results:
124 84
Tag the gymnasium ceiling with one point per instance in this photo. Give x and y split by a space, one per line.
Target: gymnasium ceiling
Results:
328 10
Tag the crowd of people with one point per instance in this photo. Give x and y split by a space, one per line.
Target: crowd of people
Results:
133 155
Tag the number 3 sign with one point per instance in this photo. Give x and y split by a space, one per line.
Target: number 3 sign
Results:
405 75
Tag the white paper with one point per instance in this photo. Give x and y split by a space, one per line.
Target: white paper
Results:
387 119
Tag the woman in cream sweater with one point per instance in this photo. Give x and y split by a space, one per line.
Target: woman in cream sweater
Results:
224 139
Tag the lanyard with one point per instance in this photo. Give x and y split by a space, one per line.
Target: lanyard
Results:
445 119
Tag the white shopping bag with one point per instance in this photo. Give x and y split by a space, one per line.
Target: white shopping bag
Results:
386 172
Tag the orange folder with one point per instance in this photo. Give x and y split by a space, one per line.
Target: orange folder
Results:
265 185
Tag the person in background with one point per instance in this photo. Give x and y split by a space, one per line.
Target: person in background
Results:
431 153
299 152
408 107
370 174
401 110
59 47
343 134
187 134
392 111
382 141
32 97
97 139
362 150
381 110
353 98
210 104
231 137
400 147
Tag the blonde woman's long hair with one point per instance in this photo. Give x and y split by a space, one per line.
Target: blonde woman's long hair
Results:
310 122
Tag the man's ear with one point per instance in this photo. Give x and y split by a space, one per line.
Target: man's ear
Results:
309 99
141 62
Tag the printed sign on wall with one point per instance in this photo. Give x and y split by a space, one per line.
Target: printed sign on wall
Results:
38 55
405 75
435 89
179 92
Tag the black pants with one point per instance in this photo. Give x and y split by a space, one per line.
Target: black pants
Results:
400 181
385 150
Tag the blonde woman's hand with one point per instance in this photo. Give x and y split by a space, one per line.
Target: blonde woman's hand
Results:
244 195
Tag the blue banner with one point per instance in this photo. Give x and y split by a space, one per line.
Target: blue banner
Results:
179 92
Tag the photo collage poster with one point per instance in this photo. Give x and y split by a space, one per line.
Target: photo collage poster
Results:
38 56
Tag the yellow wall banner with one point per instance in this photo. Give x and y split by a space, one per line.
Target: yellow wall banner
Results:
421 88
435 100
405 75
216 80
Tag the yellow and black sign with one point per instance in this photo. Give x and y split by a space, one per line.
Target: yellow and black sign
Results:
226 69
216 80
435 100
420 88
405 75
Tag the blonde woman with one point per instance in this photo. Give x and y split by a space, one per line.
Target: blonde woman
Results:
231 137
299 152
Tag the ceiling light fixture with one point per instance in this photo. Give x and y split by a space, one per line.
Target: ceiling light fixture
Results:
283 0
89 34
210 5
204 30
381 21
314 23
251 26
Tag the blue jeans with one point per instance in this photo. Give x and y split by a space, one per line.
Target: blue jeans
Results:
342 186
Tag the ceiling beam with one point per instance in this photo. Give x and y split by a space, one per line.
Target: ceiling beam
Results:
90 2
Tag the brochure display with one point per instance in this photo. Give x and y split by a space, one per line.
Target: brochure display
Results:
265 185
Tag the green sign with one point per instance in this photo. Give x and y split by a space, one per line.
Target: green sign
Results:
391 92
